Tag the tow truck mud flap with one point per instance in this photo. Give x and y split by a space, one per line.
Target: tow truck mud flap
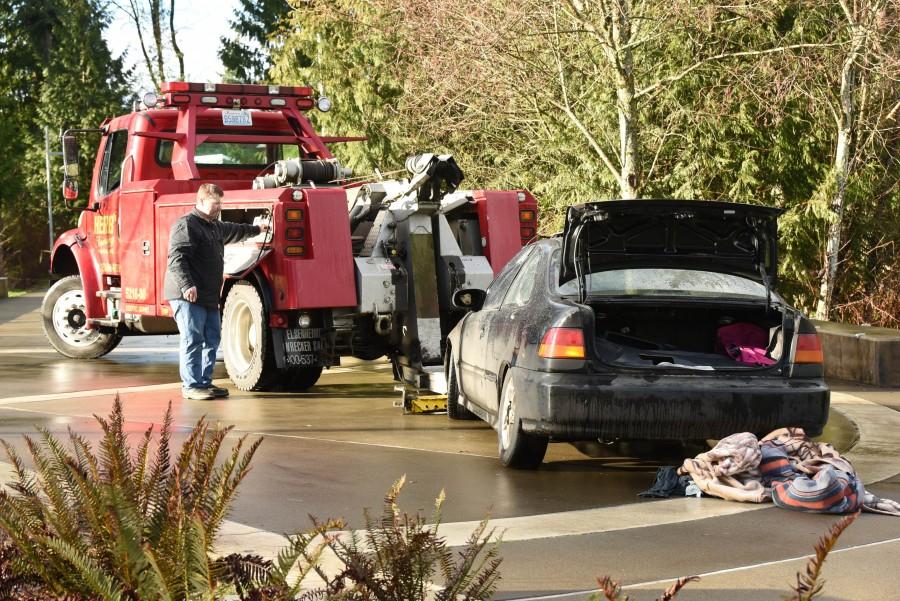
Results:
297 347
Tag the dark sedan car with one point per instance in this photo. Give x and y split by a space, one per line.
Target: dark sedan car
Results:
646 319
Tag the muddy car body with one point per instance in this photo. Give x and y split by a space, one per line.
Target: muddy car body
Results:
614 330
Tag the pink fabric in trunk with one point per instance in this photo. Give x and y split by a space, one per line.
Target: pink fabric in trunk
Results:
745 343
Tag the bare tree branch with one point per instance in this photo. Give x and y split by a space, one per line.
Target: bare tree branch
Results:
567 109
725 55
178 53
157 38
135 14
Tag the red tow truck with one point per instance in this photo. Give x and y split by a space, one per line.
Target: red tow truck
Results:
363 269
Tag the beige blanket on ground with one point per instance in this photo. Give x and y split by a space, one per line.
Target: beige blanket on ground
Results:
730 470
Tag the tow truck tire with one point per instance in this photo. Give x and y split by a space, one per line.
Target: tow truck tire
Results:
246 340
454 409
517 449
63 318
300 379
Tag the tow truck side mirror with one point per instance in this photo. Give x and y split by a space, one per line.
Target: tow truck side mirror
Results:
70 167
469 299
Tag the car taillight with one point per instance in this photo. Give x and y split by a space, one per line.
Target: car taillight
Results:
562 343
809 349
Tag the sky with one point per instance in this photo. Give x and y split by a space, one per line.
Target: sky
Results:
198 25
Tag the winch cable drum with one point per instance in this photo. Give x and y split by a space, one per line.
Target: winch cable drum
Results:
294 172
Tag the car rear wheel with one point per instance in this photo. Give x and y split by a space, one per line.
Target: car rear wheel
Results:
246 340
517 448
64 320
455 410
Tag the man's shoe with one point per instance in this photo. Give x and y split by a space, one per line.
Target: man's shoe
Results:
197 394
217 392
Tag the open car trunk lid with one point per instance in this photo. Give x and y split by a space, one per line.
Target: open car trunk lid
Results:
723 237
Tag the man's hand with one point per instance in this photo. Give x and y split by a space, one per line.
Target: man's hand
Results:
190 295
263 227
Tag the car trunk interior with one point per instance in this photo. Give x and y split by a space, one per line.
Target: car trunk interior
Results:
668 335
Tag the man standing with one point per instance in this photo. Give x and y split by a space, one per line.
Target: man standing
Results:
193 284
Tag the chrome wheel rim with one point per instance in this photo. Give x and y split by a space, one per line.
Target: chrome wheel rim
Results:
70 320
242 336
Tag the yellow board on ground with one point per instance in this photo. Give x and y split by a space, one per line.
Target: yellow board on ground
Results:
429 403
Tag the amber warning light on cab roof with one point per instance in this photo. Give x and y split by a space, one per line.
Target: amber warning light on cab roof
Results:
237 96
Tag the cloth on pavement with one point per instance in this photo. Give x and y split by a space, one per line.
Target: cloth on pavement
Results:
875 504
729 470
808 476
668 484
787 468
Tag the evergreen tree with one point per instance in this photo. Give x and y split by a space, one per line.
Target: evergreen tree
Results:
246 54
353 52
55 71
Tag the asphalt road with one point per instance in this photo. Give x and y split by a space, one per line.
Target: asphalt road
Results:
337 448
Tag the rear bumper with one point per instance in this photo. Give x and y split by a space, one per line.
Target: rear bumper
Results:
670 407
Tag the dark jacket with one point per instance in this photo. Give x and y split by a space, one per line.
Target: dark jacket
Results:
196 256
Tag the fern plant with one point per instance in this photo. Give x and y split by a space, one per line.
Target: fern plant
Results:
810 583
395 558
120 523
398 557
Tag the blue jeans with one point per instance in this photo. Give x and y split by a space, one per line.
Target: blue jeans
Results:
201 331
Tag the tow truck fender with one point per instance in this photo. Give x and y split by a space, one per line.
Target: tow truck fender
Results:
71 245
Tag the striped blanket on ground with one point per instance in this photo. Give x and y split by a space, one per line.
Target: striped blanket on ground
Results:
787 468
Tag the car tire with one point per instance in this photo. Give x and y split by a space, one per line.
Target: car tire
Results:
63 318
517 449
246 340
300 379
454 409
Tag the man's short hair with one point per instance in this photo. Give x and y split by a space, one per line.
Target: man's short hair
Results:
210 191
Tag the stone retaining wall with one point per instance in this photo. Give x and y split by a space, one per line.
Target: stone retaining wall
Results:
861 353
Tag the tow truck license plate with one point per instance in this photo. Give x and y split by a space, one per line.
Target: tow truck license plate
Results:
237 118
301 346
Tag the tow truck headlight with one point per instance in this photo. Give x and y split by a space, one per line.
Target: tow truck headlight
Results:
149 99
323 104
305 320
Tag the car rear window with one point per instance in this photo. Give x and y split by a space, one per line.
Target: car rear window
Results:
665 282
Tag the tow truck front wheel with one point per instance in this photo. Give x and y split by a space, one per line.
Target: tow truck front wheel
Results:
64 319
246 340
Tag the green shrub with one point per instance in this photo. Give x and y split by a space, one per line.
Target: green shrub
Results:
122 523
128 524
396 558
